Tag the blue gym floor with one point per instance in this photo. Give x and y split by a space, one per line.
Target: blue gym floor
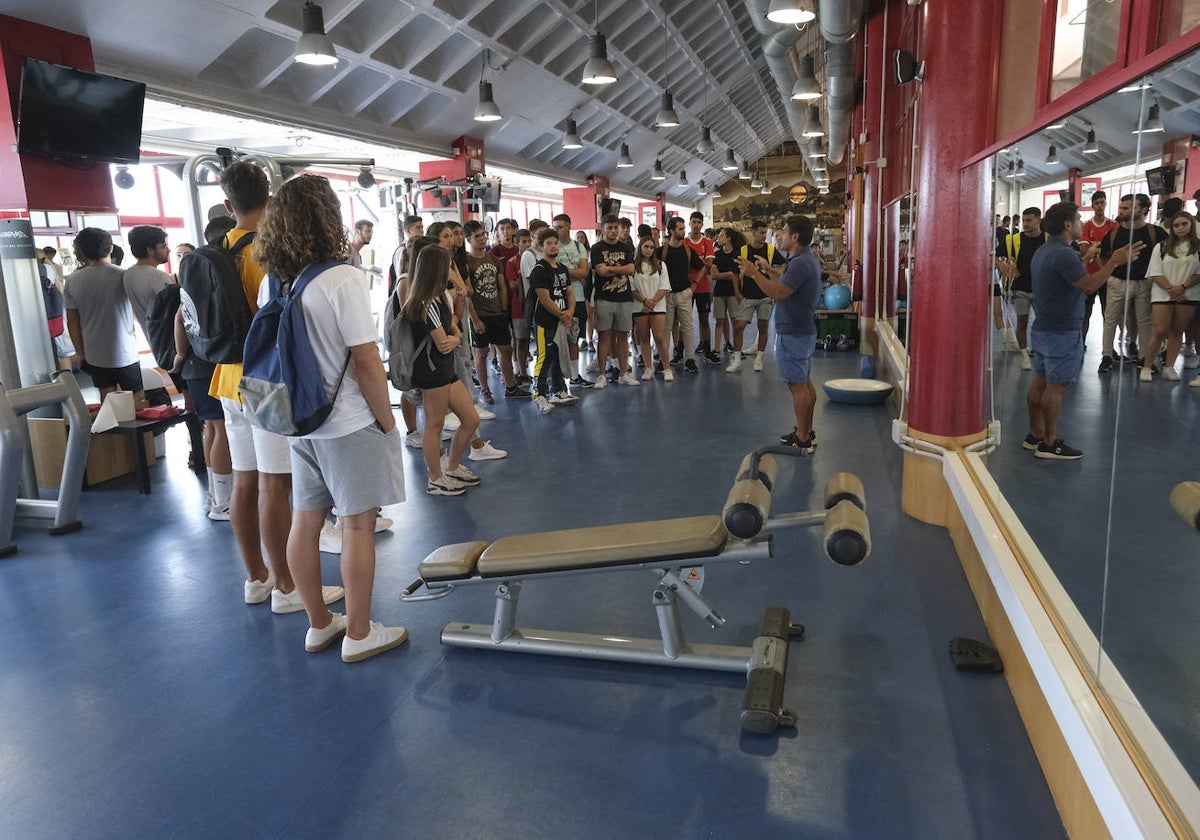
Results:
1147 617
142 698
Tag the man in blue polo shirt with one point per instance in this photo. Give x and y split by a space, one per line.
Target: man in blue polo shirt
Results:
1061 285
796 291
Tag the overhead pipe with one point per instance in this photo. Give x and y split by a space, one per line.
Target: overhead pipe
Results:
839 21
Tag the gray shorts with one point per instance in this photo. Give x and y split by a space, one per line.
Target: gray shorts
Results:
354 473
751 308
520 329
613 315
1021 302
724 306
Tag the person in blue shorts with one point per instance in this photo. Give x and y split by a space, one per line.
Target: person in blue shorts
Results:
1061 285
796 290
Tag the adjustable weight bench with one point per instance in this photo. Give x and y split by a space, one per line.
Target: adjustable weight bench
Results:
676 551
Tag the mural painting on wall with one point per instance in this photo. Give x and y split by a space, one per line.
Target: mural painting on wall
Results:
738 205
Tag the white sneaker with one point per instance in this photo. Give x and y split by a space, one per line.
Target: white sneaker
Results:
208 501
451 423
563 398
758 361
647 374
290 603
378 640
484 412
668 375
445 486
1195 383
1145 375
601 382
1170 374
331 538
316 640
543 404
460 474
218 514
1026 364
413 440
628 379
487 452
258 591
735 365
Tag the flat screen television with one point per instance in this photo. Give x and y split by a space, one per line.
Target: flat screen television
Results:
1160 181
77 115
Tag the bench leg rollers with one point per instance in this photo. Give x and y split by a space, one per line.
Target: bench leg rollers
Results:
762 705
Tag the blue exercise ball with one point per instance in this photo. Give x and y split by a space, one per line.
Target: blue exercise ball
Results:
837 296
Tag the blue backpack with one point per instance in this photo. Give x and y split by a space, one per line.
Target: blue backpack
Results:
281 380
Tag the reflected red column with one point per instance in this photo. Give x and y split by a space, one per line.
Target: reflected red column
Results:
950 293
872 268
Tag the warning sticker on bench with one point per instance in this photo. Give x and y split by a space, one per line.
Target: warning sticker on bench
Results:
694 576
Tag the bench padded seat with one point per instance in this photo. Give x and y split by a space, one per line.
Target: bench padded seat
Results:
605 545
452 562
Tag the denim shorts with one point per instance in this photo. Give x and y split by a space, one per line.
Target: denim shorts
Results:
1057 356
793 354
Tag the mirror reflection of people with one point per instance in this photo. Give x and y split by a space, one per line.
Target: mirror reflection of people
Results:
1174 271
1060 282
1014 260
1094 231
1129 279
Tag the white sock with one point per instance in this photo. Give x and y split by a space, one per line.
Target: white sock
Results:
573 368
222 489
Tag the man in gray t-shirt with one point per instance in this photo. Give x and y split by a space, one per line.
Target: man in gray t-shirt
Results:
99 317
143 280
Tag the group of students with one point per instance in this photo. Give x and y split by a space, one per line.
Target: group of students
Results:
1149 298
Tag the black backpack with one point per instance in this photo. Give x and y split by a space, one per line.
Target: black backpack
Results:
160 324
216 313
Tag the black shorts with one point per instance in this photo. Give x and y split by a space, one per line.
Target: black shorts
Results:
581 315
703 301
497 329
128 377
996 291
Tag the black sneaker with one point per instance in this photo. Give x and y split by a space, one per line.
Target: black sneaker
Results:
1106 365
690 366
658 367
677 359
728 347
712 357
1057 451
1030 443
516 392
806 447
612 375
786 436
580 382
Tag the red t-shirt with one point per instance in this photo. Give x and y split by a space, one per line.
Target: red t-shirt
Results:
1093 232
703 248
512 276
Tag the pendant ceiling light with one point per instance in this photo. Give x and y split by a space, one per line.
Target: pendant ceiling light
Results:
817 149
701 188
731 163
1012 169
658 174
624 161
706 144
683 181
766 188
756 182
1090 147
314 46
571 136
598 70
486 110
806 87
813 127
1052 155
791 11
817 165
744 174
667 118
1153 122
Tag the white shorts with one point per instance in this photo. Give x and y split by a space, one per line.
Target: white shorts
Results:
252 449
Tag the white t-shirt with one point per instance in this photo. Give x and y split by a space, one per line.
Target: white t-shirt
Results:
105 317
337 313
142 283
1176 270
648 285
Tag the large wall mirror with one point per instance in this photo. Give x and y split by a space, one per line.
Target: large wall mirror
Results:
1103 521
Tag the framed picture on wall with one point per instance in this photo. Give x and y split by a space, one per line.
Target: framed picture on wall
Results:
1087 188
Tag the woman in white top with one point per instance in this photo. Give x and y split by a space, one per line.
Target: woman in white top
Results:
650 289
1174 271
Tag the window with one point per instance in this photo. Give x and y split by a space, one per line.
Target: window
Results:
1177 17
1086 35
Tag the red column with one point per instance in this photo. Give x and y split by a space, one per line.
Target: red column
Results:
953 222
872 206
